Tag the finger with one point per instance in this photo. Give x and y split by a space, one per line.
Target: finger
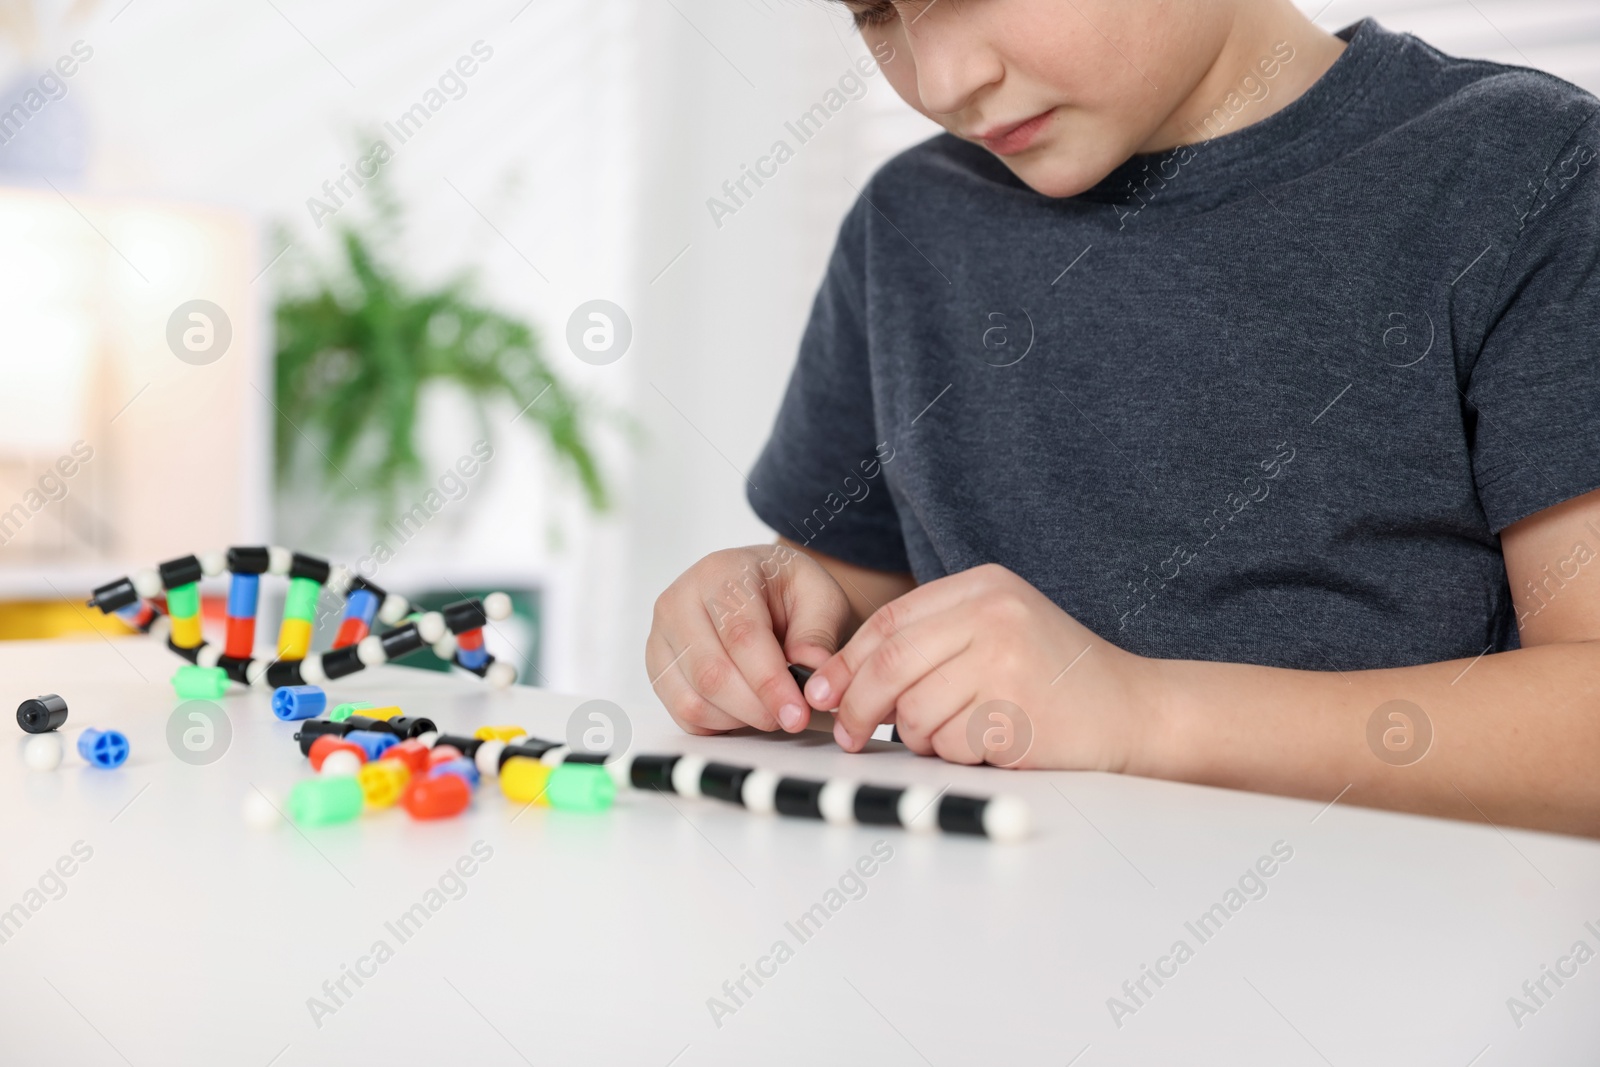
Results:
899 662
925 709
952 741
943 594
688 708
658 654
713 674
810 612
748 637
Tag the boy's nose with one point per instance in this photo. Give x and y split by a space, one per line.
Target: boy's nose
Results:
954 63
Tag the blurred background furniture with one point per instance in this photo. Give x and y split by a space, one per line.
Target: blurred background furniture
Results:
109 446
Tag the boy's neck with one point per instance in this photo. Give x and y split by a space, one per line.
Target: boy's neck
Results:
1260 32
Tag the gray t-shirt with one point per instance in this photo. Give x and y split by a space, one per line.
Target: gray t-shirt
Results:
1269 398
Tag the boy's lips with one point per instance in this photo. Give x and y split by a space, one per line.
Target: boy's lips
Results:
1013 138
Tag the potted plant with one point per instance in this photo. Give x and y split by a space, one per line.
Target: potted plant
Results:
358 346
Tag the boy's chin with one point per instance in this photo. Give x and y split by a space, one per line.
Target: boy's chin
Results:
1051 175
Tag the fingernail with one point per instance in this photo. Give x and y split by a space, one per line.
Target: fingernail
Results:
818 691
841 735
792 717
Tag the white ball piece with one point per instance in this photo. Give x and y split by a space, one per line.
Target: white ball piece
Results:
339 579
213 564
370 651
918 810
488 758
261 811
621 771
279 560
207 655
497 606
311 671
255 673
341 763
760 792
42 752
556 756
427 740
161 628
502 675
837 801
445 647
431 627
686 775
394 609
1007 818
147 583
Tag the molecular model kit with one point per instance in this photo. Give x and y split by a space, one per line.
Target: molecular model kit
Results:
366 758
365 761
456 633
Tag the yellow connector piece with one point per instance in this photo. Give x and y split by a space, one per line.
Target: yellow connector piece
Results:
186 632
524 780
382 782
294 639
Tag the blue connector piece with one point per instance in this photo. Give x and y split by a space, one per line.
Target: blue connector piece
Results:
103 748
294 702
373 743
361 604
463 768
243 591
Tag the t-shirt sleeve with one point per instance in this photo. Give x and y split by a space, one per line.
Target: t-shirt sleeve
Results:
1535 387
819 481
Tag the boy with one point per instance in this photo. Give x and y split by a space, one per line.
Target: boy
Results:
1215 400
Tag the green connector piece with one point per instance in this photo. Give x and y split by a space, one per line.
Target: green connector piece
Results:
326 800
183 601
580 787
344 711
200 683
301 600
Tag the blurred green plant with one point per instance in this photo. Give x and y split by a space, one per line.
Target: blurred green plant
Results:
357 347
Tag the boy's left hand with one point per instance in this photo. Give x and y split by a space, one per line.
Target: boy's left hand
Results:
931 659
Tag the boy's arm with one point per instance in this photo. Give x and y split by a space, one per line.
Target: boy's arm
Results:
981 666
1515 736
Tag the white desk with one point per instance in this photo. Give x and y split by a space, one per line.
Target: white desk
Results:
188 937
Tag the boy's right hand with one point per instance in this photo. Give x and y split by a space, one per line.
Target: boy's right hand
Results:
725 632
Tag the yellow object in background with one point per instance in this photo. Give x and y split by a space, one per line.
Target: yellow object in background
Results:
499 733
385 713
38 620
294 639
